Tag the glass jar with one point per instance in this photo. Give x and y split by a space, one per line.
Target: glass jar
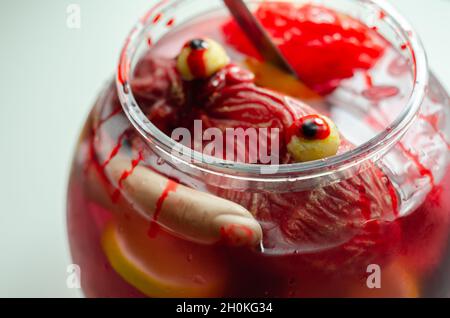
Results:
317 229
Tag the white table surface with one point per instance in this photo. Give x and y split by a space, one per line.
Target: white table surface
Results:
49 77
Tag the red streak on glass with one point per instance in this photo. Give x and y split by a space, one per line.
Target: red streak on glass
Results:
368 79
126 174
391 190
394 198
432 120
123 68
115 150
151 11
115 112
154 227
157 18
423 171
377 93
364 200
92 153
170 22
196 63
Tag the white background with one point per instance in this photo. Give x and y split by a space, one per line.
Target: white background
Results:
49 77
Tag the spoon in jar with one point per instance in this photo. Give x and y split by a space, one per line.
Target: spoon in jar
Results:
258 36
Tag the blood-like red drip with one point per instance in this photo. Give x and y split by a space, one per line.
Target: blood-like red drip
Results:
170 22
115 150
369 80
365 202
394 198
126 174
433 121
377 93
157 18
154 227
93 160
115 112
423 171
196 63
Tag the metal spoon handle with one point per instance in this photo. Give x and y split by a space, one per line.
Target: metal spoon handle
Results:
258 36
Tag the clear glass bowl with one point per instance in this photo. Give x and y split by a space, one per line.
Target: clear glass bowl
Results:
390 188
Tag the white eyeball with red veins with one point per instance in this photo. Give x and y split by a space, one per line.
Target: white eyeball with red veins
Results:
201 58
312 138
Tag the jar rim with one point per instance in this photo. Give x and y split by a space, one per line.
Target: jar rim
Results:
203 164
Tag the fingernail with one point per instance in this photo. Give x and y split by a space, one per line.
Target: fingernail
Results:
239 231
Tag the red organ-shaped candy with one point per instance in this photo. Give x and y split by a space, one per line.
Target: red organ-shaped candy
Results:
322 45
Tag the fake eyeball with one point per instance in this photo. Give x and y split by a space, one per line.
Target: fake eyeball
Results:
313 137
201 58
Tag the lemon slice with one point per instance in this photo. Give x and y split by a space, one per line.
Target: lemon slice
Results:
164 266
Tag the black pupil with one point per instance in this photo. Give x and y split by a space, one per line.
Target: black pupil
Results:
198 44
309 129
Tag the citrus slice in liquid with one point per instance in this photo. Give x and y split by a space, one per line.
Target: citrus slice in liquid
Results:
163 266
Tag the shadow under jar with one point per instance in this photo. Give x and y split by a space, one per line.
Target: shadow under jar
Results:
327 225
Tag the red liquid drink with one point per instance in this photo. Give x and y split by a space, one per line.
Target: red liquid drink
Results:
142 224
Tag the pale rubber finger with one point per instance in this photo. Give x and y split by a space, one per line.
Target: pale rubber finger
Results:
192 214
